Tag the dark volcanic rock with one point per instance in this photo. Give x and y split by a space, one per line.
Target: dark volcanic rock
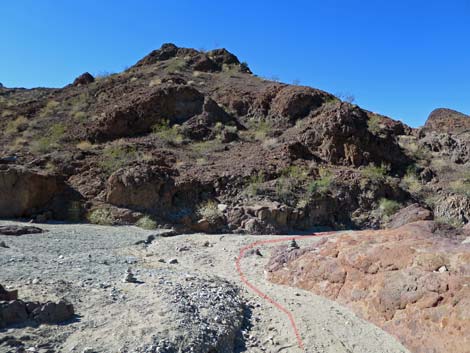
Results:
19 230
447 120
8 295
22 191
83 79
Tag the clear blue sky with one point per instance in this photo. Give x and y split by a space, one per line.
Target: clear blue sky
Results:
401 58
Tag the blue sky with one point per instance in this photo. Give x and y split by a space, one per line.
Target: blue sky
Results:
399 58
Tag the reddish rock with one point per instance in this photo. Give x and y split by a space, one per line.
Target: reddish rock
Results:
447 120
412 281
84 79
410 214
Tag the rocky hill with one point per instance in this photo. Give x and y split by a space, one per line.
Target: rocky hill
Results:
194 140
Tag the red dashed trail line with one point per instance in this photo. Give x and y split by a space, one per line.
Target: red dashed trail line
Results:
263 295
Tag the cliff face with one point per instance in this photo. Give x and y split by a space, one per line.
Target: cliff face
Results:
196 140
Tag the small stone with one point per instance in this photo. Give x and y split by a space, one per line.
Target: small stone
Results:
129 277
293 244
442 269
3 245
258 252
35 281
173 261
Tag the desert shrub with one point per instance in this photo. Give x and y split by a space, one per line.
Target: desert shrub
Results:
255 184
167 133
175 65
17 125
285 189
101 216
388 207
462 185
374 124
80 116
51 140
49 109
411 181
375 173
203 148
146 222
323 184
295 172
103 74
84 145
259 129
115 157
452 221
209 211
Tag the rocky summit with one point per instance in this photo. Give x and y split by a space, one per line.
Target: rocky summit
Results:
187 150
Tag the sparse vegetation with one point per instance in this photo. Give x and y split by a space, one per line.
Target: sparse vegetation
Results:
411 182
51 140
374 124
84 145
101 216
17 125
462 185
388 207
167 133
210 211
259 129
323 184
254 186
146 222
115 157
375 173
49 109
285 189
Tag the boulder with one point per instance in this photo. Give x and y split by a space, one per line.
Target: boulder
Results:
23 191
83 79
448 121
409 214
8 295
19 230
137 114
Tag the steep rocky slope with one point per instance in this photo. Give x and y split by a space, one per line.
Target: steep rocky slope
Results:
195 140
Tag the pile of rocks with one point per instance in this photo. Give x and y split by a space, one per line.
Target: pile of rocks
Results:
14 311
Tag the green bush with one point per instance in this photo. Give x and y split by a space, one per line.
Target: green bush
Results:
259 129
375 173
17 125
146 222
51 140
210 211
323 184
254 185
285 189
167 133
101 216
388 207
295 172
374 124
115 157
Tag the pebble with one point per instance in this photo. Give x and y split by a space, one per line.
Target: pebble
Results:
173 261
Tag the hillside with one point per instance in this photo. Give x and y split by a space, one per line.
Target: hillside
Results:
194 140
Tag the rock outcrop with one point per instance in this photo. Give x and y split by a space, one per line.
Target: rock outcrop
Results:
412 281
24 192
448 121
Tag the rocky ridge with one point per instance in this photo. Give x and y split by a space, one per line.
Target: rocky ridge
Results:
199 142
